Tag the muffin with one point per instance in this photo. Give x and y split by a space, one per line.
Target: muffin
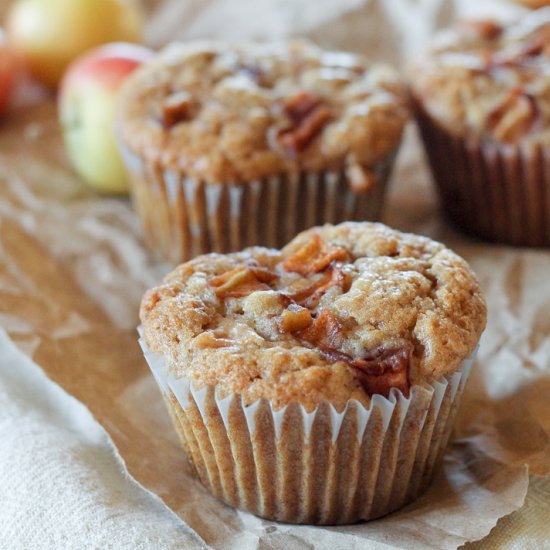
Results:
230 146
319 383
482 98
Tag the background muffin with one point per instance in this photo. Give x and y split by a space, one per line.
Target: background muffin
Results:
317 384
230 146
483 105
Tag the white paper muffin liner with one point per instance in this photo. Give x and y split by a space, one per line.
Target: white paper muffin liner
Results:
498 192
318 467
183 218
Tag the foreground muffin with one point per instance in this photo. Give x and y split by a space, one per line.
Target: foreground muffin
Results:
229 146
483 104
317 384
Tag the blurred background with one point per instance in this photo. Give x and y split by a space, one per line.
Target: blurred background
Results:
43 37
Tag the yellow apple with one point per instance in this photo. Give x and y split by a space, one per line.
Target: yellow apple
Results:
86 110
49 34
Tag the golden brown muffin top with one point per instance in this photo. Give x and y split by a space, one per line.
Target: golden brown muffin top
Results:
342 312
490 81
229 113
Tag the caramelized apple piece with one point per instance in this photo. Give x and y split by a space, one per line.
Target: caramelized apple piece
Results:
378 370
241 281
300 104
308 117
314 256
177 107
263 274
310 296
295 318
384 369
297 137
325 332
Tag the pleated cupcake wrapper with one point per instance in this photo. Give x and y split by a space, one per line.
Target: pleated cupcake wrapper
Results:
318 467
498 192
182 217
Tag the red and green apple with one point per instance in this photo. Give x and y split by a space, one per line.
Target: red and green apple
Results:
87 108
8 72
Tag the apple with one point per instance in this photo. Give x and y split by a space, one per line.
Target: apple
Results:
86 110
49 34
8 71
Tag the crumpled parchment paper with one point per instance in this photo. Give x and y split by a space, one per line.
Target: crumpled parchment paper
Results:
73 268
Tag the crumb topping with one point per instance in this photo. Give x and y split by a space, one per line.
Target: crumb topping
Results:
342 312
489 80
228 113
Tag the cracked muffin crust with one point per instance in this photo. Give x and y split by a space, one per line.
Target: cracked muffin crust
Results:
490 81
342 312
229 113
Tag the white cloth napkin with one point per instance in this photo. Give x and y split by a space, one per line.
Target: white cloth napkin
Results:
62 482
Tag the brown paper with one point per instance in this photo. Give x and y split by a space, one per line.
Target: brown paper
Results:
72 304
73 268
